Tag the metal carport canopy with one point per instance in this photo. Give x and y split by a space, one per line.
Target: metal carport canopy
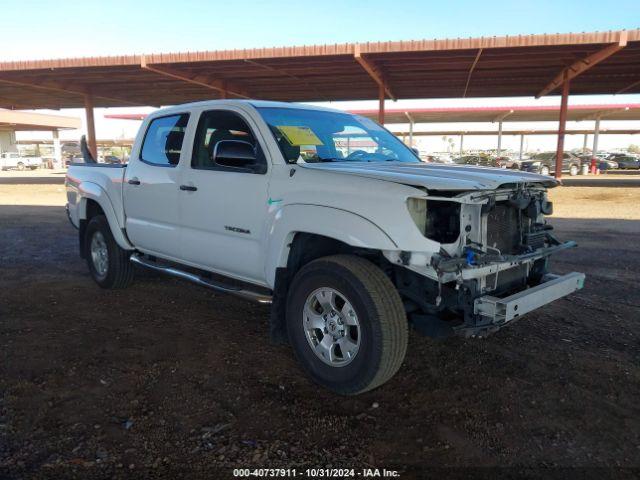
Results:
526 113
526 65
15 121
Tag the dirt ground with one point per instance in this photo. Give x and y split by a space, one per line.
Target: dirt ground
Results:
168 380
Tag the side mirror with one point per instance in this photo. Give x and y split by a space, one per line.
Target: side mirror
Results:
235 154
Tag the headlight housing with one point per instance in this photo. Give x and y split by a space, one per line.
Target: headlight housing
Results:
418 210
437 220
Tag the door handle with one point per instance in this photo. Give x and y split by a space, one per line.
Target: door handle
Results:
188 188
133 181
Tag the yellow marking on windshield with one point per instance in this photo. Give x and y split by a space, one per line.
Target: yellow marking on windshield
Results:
298 136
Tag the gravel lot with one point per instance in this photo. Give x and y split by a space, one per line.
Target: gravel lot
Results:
168 380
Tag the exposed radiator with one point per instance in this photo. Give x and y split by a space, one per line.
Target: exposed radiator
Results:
503 228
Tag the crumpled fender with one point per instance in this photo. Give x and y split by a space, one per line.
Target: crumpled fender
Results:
93 191
335 223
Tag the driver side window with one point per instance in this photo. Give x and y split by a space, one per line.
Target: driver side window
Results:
215 126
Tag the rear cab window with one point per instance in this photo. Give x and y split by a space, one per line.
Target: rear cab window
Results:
163 140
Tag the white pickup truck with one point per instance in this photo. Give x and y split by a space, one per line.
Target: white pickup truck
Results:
9 160
328 217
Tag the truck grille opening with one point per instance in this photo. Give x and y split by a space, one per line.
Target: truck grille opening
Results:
504 228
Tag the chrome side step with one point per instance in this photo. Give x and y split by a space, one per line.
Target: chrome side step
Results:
191 277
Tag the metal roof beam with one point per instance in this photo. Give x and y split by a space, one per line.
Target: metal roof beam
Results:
584 64
221 86
502 116
374 72
12 104
604 113
282 72
440 133
473 67
71 88
628 87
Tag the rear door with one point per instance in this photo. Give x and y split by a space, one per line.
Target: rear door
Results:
151 187
223 208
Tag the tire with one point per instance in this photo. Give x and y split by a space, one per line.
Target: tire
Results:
20 166
365 295
544 170
573 170
117 271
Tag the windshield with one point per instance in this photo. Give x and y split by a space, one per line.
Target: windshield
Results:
313 136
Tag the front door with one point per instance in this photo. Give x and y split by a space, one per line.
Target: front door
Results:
224 208
151 188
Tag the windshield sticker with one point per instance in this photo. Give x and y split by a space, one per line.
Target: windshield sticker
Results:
298 136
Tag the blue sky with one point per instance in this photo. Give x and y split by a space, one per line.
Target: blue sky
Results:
51 29
54 29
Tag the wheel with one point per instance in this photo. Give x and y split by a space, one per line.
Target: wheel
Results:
20 166
346 323
109 264
33 167
544 170
573 170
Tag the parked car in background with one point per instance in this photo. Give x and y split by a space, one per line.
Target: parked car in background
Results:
436 159
484 161
506 162
78 158
601 163
628 162
545 163
13 160
69 149
615 156
468 160
111 159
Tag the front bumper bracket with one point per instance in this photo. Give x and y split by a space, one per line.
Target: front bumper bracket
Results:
502 310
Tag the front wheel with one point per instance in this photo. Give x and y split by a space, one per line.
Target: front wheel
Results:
346 323
573 170
20 166
544 170
109 264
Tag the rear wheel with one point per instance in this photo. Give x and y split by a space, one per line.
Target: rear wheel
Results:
346 323
573 170
109 264
20 166
544 170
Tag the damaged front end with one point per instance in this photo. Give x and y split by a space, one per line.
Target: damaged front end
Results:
492 265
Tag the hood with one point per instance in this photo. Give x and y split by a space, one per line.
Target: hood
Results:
434 176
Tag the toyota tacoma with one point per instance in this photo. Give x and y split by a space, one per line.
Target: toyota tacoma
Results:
329 218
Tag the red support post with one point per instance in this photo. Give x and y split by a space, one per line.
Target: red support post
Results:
381 97
91 126
562 124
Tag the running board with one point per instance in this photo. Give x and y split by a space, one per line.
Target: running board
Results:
191 277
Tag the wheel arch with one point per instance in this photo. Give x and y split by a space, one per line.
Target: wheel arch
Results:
93 200
331 229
